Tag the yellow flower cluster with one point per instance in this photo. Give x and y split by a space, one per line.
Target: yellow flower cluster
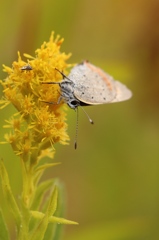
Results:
37 125
34 129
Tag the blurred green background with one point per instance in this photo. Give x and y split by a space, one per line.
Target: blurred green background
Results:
112 179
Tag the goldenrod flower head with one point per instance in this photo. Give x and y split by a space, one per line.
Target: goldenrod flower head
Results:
37 125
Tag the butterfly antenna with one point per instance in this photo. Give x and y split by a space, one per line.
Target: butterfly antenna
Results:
63 75
76 135
90 120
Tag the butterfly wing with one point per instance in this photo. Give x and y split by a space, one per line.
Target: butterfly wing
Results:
122 92
93 86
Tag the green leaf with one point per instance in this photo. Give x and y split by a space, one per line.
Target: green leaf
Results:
60 210
45 166
38 199
53 228
55 225
38 234
52 219
53 203
50 232
9 195
62 221
40 170
40 191
3 229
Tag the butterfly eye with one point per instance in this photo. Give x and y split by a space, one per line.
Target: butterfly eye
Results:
73 104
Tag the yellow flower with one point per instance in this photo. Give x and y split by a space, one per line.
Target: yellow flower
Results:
35 128
39 125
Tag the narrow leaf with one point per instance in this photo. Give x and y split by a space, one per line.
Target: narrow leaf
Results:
60 210
40 191
41 229
40 170
9 195
53 202
62 221
3 229
50 232
52 219
39 199
45 166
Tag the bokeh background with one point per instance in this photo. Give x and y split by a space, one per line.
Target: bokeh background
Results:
112 179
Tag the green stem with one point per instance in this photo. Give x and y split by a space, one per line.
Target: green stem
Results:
28 184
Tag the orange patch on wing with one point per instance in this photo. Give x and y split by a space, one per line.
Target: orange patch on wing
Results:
99 71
